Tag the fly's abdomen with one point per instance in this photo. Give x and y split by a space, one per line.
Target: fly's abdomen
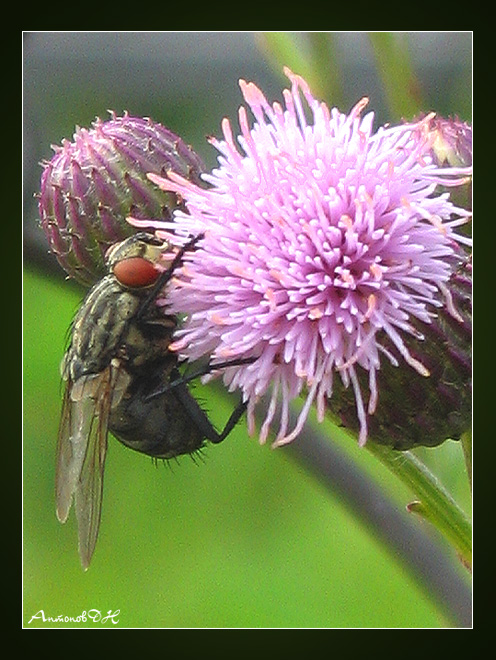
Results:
158 426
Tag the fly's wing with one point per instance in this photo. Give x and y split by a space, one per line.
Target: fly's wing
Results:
81 452
89 488
79 408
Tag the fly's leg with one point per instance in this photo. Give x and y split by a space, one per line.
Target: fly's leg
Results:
199 416
177 379
231 422
178 384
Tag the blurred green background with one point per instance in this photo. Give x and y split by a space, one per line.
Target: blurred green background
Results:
244 537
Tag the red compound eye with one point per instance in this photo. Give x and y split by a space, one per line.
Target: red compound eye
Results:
136 272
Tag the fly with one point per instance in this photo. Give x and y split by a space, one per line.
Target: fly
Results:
120 376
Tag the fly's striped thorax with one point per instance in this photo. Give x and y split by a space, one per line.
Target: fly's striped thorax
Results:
99 327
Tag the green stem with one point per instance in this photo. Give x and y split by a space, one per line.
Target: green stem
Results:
435 503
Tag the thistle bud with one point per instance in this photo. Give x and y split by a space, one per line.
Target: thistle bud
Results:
416 410
91 185
452 147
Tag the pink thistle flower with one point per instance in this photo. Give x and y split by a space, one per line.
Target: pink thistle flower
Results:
323 241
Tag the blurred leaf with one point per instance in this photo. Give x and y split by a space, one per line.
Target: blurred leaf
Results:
395 70
312 55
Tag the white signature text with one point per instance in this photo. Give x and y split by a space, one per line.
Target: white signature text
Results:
86 615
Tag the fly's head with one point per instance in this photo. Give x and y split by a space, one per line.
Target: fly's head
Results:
135 262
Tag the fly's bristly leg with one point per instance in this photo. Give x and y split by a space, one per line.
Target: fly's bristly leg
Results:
178 379
231 422
200 417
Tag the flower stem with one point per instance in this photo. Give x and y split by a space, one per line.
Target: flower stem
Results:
421 555
434 502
